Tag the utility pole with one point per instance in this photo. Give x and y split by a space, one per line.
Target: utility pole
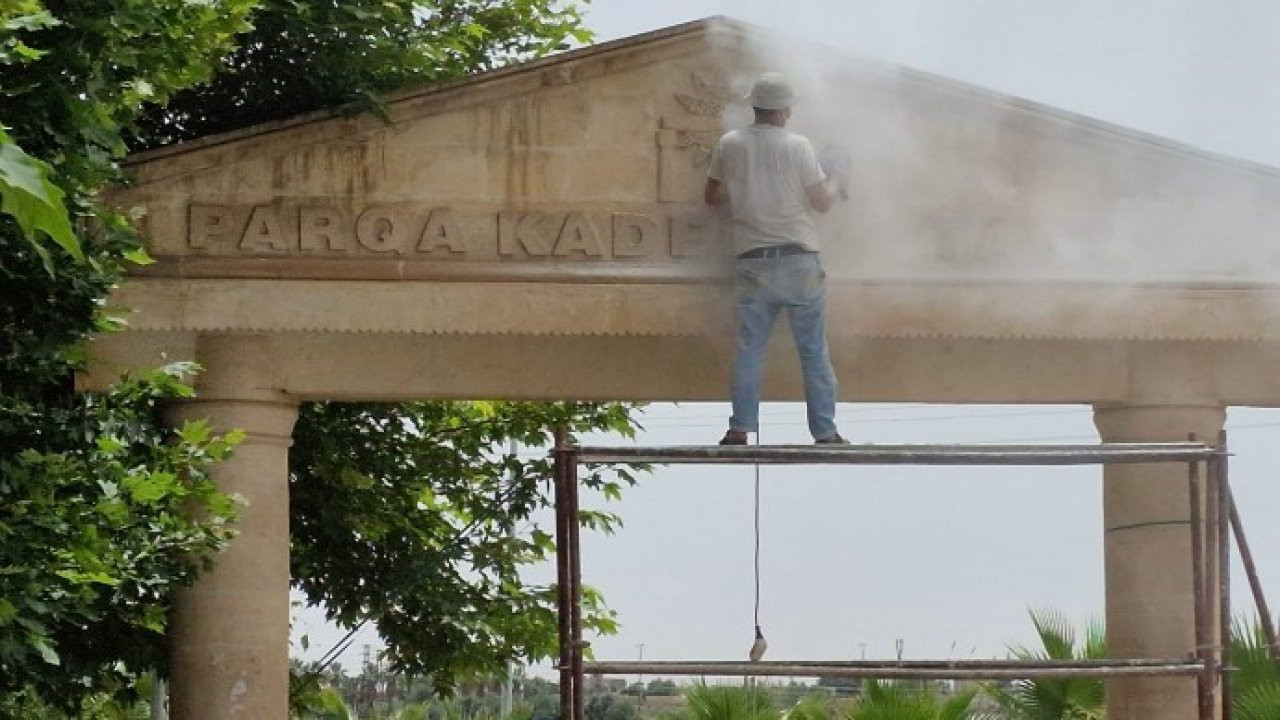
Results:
160 700
507 686
368 681
640 649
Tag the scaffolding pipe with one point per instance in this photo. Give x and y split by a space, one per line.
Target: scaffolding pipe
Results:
1255 585
907 670
575 593
1221 521
1210 663
903 454
564 583
1200 594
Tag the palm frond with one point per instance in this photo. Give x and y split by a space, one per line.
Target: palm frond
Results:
810 708
958 707
707 702
1056 635
1255 676
902 701
1055 698
1258 703
1251 658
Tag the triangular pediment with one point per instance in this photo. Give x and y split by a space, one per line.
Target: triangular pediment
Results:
590 163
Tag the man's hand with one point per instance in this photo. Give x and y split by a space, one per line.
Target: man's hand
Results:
822 195
840 180
836 161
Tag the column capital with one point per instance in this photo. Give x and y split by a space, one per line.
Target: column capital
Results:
1159 422
238 367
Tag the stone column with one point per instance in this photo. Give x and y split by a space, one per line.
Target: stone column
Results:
1146 514
229 635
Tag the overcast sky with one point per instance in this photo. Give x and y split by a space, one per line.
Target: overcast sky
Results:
948 560
1200 71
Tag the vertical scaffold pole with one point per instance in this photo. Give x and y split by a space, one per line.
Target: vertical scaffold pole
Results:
1222 522
564 583
1213 576
1255 585
575 583
1200 594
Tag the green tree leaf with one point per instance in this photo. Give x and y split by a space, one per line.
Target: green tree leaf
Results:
47 653
32 200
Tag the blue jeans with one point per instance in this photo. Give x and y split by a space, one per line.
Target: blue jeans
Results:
763 287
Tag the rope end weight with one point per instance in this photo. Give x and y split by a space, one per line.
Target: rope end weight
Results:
758 647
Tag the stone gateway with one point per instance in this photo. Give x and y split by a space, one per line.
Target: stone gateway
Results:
536 232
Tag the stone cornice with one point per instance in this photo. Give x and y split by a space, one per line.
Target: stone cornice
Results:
899 310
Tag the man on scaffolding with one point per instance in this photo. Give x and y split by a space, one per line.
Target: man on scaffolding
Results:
773 183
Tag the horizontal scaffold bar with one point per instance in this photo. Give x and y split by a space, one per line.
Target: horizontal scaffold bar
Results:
1106 453
905 669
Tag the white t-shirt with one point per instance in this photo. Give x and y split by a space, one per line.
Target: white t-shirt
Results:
765 170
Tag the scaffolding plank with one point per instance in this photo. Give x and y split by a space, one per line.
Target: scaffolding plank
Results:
1106 453
903 669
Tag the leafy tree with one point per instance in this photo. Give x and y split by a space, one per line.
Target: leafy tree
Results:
94 502
322 704
541 699
306 55
609 706
74 75
1056 698
401 516
94 492
313 696
661 686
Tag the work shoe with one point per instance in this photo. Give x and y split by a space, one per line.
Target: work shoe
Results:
836 439
734 437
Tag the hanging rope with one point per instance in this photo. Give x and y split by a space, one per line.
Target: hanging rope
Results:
755 615
758 644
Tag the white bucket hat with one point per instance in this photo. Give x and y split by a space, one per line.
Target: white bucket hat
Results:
771 91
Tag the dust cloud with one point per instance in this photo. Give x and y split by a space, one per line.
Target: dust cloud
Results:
953 183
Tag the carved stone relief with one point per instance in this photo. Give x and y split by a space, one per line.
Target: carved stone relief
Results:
686 140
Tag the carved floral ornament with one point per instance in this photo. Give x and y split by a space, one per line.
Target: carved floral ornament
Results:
707 96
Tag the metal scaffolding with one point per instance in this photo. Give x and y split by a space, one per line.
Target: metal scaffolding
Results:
1211 510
